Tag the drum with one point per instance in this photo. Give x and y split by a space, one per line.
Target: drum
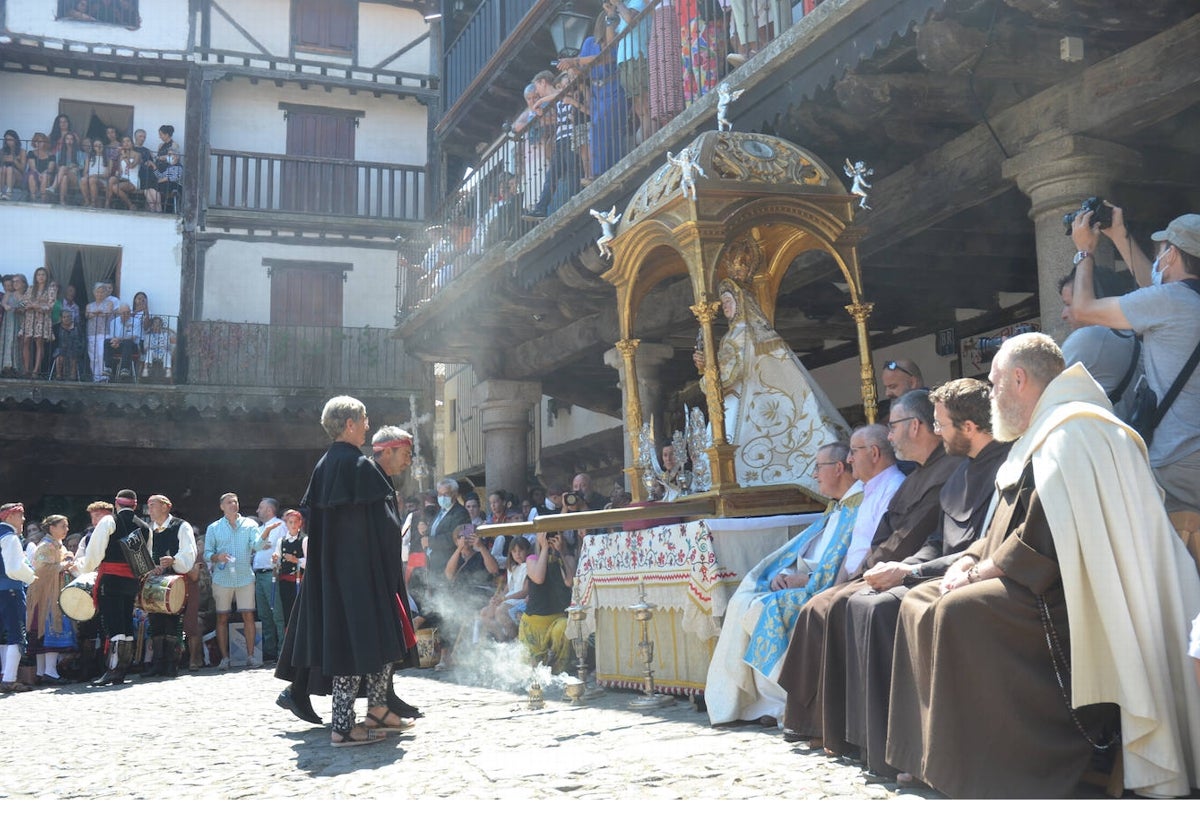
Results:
164 594
77 599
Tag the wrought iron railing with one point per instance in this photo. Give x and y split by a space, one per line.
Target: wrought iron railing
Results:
316 186
536 168
223 353
479 41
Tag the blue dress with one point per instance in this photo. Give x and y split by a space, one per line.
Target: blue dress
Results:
608 133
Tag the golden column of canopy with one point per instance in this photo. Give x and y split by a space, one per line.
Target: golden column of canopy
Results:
627 347
860 312
720 456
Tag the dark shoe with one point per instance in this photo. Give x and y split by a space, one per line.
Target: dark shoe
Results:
113 676
792 737
55 680
404 710
534 215
304 711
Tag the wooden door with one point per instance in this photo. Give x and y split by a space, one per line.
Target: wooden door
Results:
306 326
323 178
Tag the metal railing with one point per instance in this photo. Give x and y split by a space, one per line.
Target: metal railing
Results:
616 95
478 42
223 353
317 186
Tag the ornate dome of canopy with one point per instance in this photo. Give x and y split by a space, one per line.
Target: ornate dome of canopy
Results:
735 164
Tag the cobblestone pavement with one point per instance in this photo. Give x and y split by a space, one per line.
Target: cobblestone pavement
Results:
224 733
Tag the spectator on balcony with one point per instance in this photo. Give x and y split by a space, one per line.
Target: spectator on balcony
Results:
94 184
608 130
141 311
11 305
704 42
665 85
533 123
632 51
35 328
40 167
70 161
112 146
159 342
70 345
59 131
125 338
562 178
147 179
748 15
100 313
123 181
12 164
168 163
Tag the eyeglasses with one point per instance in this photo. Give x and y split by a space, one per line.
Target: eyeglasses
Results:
818 464
899 367
893 423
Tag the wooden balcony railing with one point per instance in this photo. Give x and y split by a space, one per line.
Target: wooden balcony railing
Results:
315 186
479 43
265 355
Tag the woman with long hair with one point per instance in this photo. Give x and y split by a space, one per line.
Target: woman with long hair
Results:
94 181
40 165
36 329
70 161
12 305
12 164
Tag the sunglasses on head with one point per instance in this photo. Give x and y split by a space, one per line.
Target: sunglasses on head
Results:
899 367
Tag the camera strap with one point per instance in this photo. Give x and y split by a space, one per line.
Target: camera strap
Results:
1184 375
1119 391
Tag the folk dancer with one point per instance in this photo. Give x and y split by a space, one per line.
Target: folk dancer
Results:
172 544
15 575
117 584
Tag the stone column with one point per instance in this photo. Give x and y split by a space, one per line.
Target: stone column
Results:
647 361
1057 175
504 407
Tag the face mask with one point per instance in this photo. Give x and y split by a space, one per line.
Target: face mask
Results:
445 502
1156 277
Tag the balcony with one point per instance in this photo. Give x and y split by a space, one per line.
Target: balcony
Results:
330 195
326 358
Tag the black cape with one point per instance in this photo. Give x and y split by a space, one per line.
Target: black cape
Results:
346 620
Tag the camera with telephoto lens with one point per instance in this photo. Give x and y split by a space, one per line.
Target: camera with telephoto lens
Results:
1101 214
572 499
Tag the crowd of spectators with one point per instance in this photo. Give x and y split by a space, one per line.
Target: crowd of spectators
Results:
96 168
44 332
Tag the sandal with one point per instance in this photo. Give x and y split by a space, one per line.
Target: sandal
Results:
369 736
375 723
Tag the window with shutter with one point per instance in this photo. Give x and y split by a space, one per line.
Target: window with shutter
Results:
329 26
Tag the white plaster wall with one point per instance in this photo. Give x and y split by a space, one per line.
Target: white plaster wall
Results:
151 248
164 25
384 29
246 117
841 380
236 286
29 103
269 21
577 423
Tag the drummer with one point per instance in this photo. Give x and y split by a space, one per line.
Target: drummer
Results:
15 575
118 584
173 545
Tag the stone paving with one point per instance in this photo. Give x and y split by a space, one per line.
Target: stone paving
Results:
223 733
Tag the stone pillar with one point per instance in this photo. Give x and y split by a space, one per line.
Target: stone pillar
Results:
647 361
1057 175
504 407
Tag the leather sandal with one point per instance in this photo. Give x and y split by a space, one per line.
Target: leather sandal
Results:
379 724
368 736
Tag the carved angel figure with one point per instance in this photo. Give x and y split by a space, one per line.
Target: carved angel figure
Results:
725 95
859 173
688 169
607 221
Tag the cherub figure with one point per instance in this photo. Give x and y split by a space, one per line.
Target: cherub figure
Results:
688 169
859 173
725 95
607 221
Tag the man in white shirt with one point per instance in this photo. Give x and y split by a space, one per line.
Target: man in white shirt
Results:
15 575
172 544
124 336
266 598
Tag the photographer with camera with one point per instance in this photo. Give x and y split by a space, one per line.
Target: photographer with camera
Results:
1165 313
549 576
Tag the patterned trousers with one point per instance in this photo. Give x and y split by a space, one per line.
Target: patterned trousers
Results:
345 689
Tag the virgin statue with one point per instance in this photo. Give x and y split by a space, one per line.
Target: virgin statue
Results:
775 413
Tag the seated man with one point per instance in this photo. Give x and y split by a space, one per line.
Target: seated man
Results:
760 615
814 669
962 416
124 336
1074 600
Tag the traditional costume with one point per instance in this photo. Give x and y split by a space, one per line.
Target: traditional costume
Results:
741 682
117 585
815 657
871 616
50 632
174 538
775 412
1091 565
15 576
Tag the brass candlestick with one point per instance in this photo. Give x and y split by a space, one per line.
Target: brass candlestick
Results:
643 613
579 643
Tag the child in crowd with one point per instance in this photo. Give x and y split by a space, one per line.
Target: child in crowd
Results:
70 347
159 344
